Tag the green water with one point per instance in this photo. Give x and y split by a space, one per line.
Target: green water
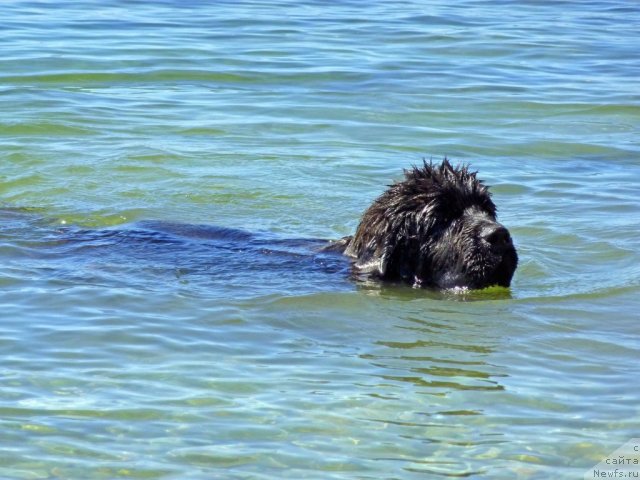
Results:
124 358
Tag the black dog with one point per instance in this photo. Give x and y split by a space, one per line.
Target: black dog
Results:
436 228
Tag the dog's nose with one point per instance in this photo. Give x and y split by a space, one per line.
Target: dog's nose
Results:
496 235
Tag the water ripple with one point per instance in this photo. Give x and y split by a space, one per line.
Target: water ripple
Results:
155 350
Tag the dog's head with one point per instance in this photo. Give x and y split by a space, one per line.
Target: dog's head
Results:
435 228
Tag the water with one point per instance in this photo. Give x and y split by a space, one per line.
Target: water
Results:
131 351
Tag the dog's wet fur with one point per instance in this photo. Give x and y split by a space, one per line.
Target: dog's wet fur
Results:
436 228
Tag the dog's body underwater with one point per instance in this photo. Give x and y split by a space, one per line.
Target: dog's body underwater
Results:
436 228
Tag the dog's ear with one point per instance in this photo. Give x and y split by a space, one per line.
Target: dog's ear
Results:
374 258
388 249
397 246
370 262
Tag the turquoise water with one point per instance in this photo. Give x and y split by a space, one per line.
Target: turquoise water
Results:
129 351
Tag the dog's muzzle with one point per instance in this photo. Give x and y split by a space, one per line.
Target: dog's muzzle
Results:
497 236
